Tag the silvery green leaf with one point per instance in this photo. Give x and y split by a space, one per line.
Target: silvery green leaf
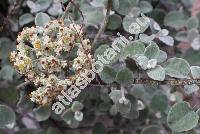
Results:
142 61
168 40
145 6
14 25
7 116
55 9
132 49
181 36
163 32
135 25
25 19
41 19
78 115
108 74
196 43
195 71
193 22
98 3
153 129
114 22
192 34
156 26
115 95
181 117
162 56
177 67
124 7
157 73
146 39
77 106
152 51
152 63
42 113
124 108
7 73
32 6
159 102
175 19
124 77
40 5
189 89
92 16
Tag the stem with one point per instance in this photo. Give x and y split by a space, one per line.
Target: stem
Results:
103 26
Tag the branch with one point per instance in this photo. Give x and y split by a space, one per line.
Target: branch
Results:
172 82
103 26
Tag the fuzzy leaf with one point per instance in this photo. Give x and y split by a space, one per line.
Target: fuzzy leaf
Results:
177 68
181 118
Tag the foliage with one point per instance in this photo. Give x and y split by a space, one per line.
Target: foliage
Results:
150 86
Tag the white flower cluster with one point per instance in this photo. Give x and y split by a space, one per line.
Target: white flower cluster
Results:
52 57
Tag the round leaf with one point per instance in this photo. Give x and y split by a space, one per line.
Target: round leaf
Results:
181 118
108 74
157 73
41 19
177 68
7 115
124 77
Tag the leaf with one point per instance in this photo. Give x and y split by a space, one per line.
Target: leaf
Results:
108 74
77 106
41 19
159 102
113 110
42 113
68 115
152 129
135 25
92 16
9 94
177 68
168 40
124 108
7 73
162 57
7 116
189 89
175 19
132 49
196 43
6 46
181 118
145 6
133 114
124 7
146 39
115 95
78 115
55 9
124 77
181 36
142 61
195 71
157 73
192 22
192 34
152 51
25 19
114 22
99 128
151 63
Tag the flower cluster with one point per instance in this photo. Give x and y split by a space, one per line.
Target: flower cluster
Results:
52 57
